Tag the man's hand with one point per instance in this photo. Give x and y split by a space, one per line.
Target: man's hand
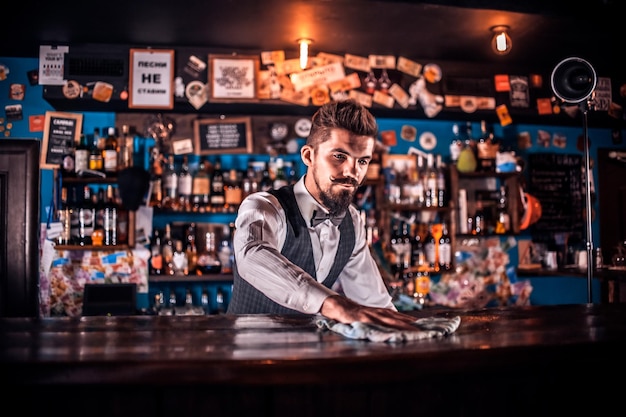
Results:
346 311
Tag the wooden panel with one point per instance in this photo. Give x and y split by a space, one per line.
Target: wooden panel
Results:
19 215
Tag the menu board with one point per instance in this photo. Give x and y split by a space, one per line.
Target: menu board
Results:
213 136
557 181
61 132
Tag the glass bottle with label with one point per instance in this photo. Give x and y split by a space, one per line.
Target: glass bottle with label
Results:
456 145
156 172
201 188
430 185
167 251
191 249
503 222
445 249
156 258
170 185
109 218
65 217
126 147
430 249
217 188
208 261
179 259
81 155
280 179
185 186
95 153
86 218
233 193
225 250
109 154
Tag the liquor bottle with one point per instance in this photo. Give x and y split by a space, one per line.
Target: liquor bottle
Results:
220 301
445 249
456 145
68 161
396 244
485 157
225 250
109 154
191 249
156 258
503 221
208 261
478 225
156 173
266 183
126 148
167 251
280 179
179 259
442 191
201 188
250 183
430 248
95 153
74 203
233 193
110 218
86 218
185 186
430 182
217 187
204 301
65 217
97 201
122 218
170 184
81 155
418 256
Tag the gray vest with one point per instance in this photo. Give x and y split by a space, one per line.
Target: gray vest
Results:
297 248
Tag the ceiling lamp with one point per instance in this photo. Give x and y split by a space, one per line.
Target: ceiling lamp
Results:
304 51
501 42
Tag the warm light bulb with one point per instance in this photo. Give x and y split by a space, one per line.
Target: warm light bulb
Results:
304 52
501 42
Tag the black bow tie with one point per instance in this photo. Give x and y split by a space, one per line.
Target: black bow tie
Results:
319 216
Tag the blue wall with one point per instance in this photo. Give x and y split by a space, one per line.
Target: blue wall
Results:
554 290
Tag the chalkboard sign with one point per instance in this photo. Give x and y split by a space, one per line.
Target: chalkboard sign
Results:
557 181
212 136
61 132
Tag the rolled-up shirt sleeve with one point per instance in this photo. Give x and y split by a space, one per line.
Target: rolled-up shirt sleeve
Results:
260 233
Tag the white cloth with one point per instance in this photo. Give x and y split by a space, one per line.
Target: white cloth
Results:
260 235
425 328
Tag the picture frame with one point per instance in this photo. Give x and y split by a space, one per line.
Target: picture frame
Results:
233 78
151 79
61 132
217 136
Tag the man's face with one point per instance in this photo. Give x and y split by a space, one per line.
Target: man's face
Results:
337 168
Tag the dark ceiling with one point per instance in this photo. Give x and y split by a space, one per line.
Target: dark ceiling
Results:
544 32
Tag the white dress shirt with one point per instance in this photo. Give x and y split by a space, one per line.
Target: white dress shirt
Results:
261 227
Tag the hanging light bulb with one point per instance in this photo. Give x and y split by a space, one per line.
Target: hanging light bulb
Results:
304 51
501 42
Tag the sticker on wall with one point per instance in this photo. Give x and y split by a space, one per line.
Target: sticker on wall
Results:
408 133
72 89
303 127
4 72
428 141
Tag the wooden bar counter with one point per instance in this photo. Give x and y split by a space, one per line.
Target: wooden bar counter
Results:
536 360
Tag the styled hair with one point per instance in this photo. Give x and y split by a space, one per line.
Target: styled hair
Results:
344 114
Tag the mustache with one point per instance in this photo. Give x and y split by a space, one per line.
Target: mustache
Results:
349 181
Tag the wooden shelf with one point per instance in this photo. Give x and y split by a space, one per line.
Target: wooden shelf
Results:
92 247
191 278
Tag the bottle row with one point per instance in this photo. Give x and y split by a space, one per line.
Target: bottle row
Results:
422 183
471 154
419 247
210 188
190 307
92 216
177 253
105 153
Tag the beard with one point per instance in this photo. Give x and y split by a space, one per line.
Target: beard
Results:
336 202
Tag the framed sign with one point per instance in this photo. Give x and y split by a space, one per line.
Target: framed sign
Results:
151 79
214 136
60 133
233 78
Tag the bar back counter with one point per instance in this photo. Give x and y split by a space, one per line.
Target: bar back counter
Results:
537 360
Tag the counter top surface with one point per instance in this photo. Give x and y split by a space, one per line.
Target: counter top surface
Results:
269 349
